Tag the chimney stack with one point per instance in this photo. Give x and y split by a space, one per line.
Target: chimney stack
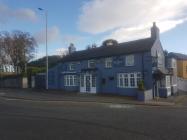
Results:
155 32
71 48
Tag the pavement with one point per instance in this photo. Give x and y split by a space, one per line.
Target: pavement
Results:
55 95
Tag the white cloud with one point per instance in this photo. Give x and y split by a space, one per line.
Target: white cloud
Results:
53 35
128 18
131 33
25 14
72 39
7 14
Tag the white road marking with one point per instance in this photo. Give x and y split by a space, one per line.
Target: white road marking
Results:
121 106
11 99
2 93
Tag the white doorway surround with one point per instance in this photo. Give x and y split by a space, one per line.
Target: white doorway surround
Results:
88 83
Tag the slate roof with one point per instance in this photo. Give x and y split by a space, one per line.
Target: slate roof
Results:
141 45
178 56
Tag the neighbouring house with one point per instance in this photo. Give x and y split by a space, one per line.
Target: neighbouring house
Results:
6 66
116 68
181 70
8 78
181 64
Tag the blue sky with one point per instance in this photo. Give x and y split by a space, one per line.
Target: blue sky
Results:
84 22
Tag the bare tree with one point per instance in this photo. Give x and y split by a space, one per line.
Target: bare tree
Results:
62 52
19 46
4 52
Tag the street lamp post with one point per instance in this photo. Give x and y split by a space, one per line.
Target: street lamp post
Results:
46 35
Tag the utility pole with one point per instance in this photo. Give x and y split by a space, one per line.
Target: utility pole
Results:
46 43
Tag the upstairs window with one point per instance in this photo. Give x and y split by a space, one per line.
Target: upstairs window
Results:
159 58
171 63
91 64
129 61
108 62
174 65
72 66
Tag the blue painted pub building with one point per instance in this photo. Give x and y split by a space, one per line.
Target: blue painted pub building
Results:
114 68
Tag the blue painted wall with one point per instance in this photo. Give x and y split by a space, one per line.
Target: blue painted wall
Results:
143 64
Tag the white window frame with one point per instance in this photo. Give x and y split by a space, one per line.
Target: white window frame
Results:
72 66
174 64
132 77
129 60
124 79
7 68
70 80
108 62
159 58
91 61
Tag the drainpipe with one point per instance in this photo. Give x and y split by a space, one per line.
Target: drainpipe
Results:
143 66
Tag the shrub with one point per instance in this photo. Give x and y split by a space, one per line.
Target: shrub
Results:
141 86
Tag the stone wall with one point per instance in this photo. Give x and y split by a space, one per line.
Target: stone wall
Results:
13 82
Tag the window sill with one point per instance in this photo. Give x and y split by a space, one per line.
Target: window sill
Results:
70 85
127 87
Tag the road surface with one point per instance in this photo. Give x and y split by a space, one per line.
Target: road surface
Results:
68 120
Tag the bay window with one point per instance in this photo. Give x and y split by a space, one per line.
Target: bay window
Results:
70 80
128 80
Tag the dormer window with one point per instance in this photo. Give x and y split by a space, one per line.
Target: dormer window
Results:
110 43
91 64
